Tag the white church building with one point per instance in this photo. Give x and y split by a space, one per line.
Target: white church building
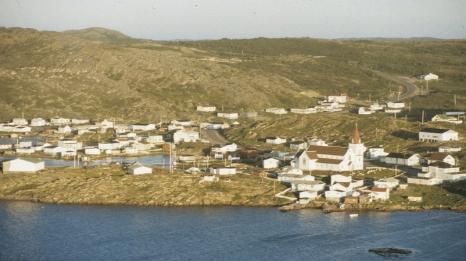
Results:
332 158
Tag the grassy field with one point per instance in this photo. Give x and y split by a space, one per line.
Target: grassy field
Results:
109 185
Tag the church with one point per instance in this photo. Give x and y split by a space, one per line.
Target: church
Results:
332 158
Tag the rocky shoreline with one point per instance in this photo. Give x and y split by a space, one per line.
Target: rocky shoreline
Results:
330 207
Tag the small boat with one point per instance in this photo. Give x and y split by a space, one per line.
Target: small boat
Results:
353 215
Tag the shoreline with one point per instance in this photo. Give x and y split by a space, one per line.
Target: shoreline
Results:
368 208
281 208
121 204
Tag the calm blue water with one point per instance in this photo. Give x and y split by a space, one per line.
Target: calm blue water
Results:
152 160
31 231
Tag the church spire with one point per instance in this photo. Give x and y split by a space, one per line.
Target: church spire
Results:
356 137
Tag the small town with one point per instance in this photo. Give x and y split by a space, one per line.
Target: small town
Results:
232 130
313 172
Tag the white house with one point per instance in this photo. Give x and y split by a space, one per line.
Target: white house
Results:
228 115
59 121
14 128
449 149
376 153
130 150
307 185
214 125
429 77
38 122
303 111
376 107
114 145
155 139
364 111
317 142
405 159
64 129
28 165
380 194
395 105
447 119
276 110
298 145
223 170
206 108
182 122
53 150
138 169
70 144
339 99
19 121
25 150
308 195
437 173
389 183
275 140
142 127
337 178
270 163
436 135
79 121
440 157
332 158
185 136
335 195
230 147
91 151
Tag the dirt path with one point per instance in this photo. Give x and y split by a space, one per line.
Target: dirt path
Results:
213 137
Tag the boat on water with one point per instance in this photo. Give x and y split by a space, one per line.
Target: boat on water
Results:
353 215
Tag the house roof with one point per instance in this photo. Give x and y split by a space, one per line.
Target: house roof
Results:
308 182
399 155
442 165
136 165
330 150
434 130
376 189
33 160
7 141
329 161
344 184
438 156
311 154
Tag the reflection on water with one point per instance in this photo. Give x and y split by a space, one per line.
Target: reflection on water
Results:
31 231
152 160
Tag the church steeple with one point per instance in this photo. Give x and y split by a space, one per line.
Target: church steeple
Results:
356 137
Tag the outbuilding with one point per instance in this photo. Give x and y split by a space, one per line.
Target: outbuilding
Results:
26 165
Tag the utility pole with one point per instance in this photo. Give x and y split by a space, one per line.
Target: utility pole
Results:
422 117
454 99
171 161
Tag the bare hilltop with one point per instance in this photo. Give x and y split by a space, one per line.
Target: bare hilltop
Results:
100 73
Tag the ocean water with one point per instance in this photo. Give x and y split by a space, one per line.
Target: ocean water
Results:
33 231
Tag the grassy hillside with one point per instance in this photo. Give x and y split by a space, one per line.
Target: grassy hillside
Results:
102 73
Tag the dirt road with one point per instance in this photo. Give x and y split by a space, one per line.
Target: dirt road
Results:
410 89
213 137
